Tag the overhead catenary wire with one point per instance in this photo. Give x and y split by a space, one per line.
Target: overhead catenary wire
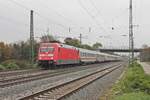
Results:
97 10
99 13
42 16
37 13
70 28
93 4
18 4
15 22
58 13
47 19
115 18
92 17
10 20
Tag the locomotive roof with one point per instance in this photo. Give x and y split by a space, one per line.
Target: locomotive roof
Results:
68 46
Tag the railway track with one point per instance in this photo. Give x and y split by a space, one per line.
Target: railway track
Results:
17 72
41 75
14 76
65 89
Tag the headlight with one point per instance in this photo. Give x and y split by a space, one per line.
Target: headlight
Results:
50 55
41 55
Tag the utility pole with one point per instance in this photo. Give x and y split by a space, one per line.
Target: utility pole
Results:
47 35
131 38
80 38
69 30
90 29
47 30
31 37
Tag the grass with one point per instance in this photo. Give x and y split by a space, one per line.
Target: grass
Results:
134 85
133 96
16 64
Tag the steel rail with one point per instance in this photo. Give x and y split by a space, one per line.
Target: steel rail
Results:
10 73
20 80
65 89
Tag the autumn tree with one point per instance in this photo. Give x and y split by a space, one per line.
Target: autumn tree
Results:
5 51
2 46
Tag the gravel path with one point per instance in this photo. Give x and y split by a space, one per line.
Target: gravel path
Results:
146 67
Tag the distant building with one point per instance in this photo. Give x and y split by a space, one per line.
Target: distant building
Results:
145 54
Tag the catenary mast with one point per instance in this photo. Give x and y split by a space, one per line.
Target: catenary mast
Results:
131 38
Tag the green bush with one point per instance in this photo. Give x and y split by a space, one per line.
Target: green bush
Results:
6 62
134 81
17 64
12 66
23 64
2 67
133 96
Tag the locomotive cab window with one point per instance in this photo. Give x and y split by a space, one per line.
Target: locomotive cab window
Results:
51 49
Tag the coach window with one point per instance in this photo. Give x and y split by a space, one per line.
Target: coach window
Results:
81 53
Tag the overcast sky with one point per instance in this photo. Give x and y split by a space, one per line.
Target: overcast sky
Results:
79 15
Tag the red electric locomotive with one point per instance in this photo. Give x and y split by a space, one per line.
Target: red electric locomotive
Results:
51 54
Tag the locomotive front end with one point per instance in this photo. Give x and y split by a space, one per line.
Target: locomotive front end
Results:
46 55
